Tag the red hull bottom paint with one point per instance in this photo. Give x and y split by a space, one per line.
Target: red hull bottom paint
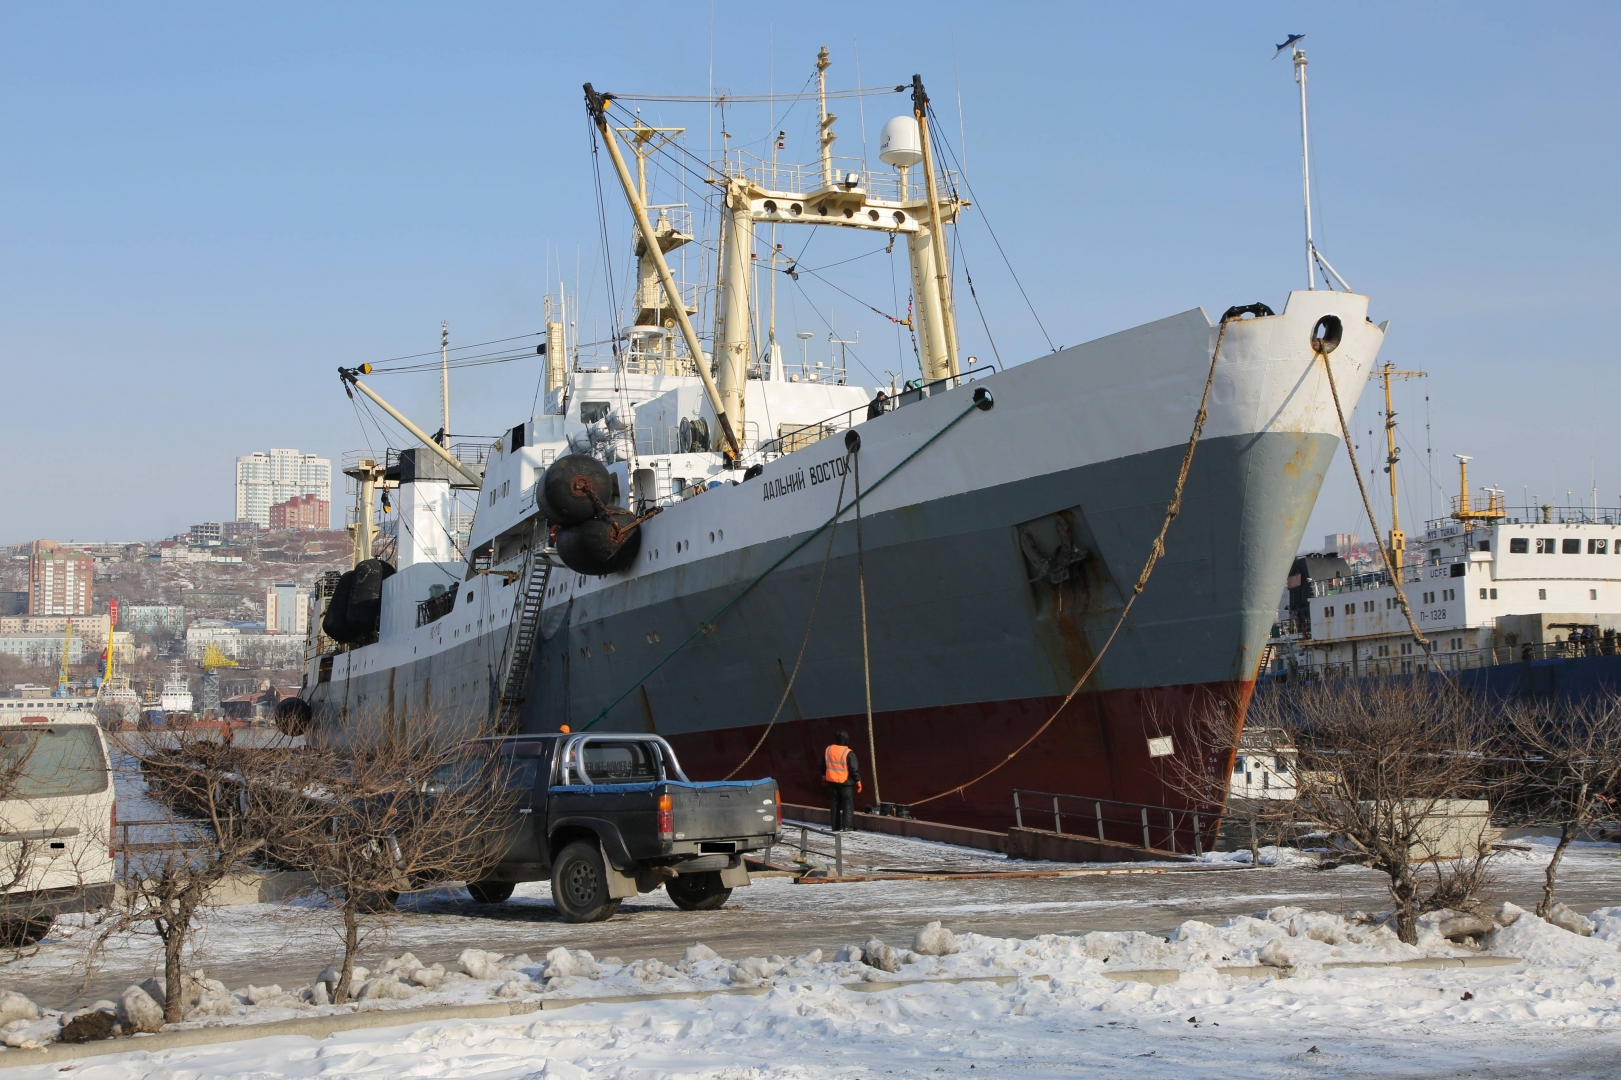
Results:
1098 749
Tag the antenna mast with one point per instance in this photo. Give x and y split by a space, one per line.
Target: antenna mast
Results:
1305 164
444 384
1314 258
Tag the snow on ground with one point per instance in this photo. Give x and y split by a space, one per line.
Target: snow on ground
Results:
1062 1016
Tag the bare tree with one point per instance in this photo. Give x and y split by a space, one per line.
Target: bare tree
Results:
1569 755
402 810
1390 769
228 805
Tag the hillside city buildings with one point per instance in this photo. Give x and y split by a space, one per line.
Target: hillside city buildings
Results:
301 512
264 480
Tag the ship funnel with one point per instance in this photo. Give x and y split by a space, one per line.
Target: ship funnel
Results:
899 143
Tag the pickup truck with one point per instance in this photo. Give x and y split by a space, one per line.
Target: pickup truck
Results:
608 816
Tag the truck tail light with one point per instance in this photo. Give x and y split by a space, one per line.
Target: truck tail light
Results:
666 817
779 810
112 831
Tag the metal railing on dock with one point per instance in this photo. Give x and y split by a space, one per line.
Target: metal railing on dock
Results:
805 850
1161 828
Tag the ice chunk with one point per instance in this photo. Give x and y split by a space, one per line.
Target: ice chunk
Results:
695 955
562 963
880 956
1274 956
1566 919
480 964
935 940
429 977
13 1006
258 995
850 954
385 988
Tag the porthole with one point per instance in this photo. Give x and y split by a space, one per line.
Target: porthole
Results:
900 217
711 538
770 206
872 215
723 534
795 209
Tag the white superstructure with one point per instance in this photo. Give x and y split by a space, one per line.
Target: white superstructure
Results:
1486 586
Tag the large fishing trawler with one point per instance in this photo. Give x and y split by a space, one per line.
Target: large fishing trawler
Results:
727 592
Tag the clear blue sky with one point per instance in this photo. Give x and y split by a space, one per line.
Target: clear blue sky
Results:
207 208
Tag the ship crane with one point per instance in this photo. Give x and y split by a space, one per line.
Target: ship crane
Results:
61 690
1397 546
823 195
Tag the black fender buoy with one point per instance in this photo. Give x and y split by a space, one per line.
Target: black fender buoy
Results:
603 545
366 600
335 621
293 716
566 485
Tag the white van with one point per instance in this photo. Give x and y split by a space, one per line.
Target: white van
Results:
57 818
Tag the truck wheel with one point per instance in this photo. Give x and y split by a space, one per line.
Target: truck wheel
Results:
580 885
698 892
489 892
17 933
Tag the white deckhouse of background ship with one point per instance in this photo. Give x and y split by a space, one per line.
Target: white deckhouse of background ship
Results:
698 538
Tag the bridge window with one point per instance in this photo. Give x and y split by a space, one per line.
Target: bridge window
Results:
1518 545
1573 546
1598 547
1547 545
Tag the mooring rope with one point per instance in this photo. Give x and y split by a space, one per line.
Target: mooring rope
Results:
866 660
1172 509
804 643
1367 506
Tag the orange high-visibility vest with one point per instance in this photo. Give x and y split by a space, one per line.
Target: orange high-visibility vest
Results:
838 769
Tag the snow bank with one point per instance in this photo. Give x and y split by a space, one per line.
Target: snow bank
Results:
1568 980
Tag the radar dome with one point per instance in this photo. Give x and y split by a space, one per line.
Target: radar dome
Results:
899 143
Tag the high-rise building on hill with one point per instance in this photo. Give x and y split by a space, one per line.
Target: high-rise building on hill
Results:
59 580
263 480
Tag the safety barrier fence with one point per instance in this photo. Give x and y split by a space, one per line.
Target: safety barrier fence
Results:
1162 828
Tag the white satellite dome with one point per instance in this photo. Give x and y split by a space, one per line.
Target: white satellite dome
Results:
899 143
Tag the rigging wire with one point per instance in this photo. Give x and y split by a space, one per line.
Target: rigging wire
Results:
714 99
602 225
793 272
830 329
934 126
962 255
461 348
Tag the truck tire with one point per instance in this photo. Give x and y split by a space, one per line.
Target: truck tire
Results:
18 933
580 884
698 892
489 892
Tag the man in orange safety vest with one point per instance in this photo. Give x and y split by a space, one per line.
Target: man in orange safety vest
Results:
842 774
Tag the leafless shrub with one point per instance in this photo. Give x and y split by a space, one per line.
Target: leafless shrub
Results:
1569 769
1391 770
400 811
229 806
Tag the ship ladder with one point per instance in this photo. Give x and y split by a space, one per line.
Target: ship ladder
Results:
521 634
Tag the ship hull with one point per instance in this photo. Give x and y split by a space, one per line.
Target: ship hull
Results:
997 549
